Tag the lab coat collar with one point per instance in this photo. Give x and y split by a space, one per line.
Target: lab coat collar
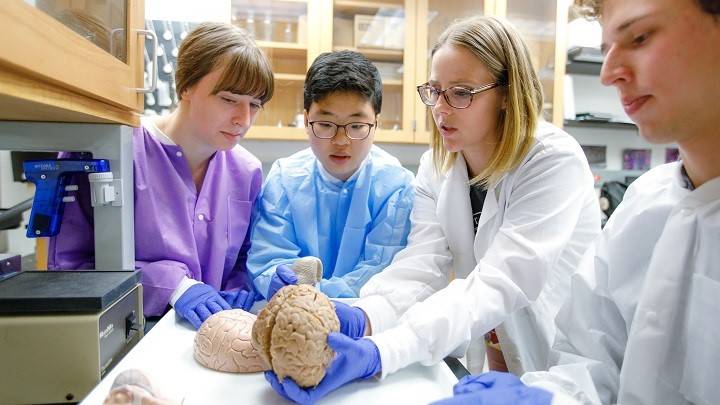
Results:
707 193
454 201
329 178
150 123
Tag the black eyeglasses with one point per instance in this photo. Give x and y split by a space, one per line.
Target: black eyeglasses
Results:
456 96
354 130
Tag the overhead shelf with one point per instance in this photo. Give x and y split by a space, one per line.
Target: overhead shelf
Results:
364 7
584 61
583 68
600 124
276 133
392 82
289 77
379 55
284 49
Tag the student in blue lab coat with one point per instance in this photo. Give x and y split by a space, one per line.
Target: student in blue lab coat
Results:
343 199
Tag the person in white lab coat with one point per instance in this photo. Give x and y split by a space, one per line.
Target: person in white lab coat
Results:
642 324
504 210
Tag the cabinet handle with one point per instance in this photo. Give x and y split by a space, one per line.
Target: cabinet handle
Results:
154 73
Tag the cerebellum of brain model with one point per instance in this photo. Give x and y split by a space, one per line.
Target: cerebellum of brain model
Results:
223 343
291 334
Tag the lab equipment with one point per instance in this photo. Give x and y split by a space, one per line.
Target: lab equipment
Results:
354 359
352 320
50 178
10 263
62 332
283 276
199 302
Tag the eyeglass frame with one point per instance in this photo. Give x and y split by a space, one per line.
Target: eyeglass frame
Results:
472 91
338 126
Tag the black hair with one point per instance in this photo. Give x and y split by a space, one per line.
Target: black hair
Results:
710 6
343 71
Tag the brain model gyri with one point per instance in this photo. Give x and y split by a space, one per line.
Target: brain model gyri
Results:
223 343
291 334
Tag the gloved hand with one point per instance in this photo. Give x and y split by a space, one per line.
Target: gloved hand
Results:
495 388
283 276
354 359
198 303
352 320
479 382
240 299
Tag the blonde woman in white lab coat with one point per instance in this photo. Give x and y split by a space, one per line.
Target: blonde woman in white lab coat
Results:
451 284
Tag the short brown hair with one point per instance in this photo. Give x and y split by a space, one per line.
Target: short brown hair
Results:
246 69
593 8
498 45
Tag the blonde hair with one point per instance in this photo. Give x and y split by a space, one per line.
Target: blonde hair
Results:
499 47
246 69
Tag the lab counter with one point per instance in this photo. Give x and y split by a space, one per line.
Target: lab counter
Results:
165 355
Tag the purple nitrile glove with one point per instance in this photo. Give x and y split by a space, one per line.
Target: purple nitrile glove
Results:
240 299
352 320
198 303
495 388
354 359
283 276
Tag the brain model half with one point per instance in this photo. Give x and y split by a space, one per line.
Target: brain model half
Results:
291 334
223 343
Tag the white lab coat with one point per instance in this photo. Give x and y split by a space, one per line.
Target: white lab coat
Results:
513 274
643 323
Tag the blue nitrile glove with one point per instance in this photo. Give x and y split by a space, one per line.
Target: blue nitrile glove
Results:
198 303
352 320
354 359
239 299
495 388
283 276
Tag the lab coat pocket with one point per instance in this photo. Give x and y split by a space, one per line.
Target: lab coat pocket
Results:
239 212
699 382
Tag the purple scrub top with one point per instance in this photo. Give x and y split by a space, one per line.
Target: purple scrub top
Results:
178 231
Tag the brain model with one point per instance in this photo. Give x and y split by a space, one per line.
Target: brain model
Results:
223 343
291 334
309 270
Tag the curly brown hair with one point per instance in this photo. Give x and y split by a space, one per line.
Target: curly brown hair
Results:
593 8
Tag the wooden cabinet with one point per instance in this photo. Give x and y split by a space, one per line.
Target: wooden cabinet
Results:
295 32
397 36
282 29
543 24
71 60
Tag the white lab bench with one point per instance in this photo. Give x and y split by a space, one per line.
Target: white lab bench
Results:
165 354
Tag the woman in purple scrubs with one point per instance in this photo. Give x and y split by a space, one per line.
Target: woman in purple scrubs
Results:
195 187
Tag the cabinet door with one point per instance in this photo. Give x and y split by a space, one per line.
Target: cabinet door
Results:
83 47
437 15
383 31
541 23
280 28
